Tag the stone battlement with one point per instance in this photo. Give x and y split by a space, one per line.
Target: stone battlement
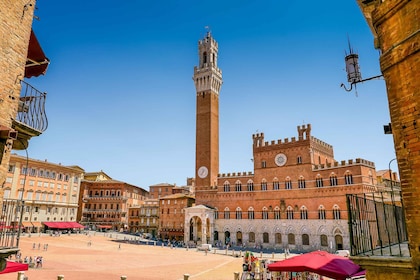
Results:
344 163
304 132
207 39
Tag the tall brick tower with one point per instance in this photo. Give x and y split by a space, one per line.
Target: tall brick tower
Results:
208 81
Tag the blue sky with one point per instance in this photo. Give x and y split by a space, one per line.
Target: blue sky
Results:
121 97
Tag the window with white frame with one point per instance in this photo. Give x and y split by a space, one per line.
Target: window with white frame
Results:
264 214
289 213
303 213
336 213
227 214
226 187
319 181
238 186
333 180
264 185
238 213
250 186
277 213
276 184
251 213
321 213
288 184
348 178
301 183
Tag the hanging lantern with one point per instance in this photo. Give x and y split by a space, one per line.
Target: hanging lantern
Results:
352 68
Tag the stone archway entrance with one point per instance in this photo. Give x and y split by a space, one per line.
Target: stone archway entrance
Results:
338 242
239 238
199 221
227 238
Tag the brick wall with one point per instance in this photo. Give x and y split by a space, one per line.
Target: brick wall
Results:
15 30
396 27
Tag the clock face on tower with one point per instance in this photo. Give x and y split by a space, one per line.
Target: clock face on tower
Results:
280 159
202 172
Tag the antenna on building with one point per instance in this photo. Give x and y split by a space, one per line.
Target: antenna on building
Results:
353 70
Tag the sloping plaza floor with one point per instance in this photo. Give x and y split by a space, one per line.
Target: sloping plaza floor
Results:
72 257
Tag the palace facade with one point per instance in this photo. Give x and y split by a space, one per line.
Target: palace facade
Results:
294 198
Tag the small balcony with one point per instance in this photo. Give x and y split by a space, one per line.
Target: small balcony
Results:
104 197
31 119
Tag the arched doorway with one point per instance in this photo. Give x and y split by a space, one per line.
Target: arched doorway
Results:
195 229
227 237
216 236
199 225
339 242
239 238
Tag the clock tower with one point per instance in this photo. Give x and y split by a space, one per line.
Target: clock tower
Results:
208 81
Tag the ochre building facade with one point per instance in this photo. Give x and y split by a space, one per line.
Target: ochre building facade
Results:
50 191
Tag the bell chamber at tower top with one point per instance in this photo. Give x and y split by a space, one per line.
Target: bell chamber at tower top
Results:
207 76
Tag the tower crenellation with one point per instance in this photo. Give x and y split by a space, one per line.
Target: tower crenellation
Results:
344 163
258 139
304 132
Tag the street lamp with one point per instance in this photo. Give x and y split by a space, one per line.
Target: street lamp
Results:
21 202
353 70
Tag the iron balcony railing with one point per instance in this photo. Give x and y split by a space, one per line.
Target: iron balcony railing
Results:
377 224
31 110
9 224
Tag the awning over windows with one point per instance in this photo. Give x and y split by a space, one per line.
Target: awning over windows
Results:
36 62
14 267
62 225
